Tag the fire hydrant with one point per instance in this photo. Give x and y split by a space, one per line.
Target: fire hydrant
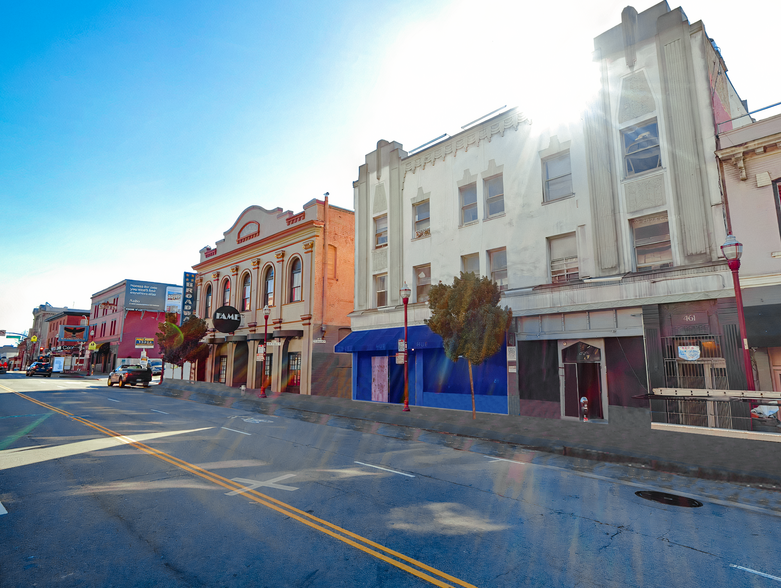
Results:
584 409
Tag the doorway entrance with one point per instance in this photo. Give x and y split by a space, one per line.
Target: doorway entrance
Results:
582 372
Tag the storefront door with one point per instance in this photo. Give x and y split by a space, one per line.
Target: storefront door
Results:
582 373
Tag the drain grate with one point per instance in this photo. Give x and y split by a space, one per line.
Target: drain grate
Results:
671 499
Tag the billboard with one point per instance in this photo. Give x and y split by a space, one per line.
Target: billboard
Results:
152 296
76 333
173 299
189 296
145 342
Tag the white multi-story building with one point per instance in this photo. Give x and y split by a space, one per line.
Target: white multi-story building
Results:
603 234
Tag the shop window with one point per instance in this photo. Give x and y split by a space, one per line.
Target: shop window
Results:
245 292
381 231
468 197
494 197
295 281
498 261
652 243
268 287
471 263
207 312
222 368
557 174
422 282
381 290
641 149
563 259
422 219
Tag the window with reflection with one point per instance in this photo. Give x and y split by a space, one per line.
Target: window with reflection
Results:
207 311
295 281
268 287
245 292
226 293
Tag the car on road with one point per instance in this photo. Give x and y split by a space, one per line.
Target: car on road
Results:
39 368
157 366
130 375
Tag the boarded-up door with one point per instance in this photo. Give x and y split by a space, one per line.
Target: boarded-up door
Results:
380 378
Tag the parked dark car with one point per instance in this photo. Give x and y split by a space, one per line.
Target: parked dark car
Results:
39 368
130 375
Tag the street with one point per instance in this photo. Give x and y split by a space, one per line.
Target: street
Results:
119 487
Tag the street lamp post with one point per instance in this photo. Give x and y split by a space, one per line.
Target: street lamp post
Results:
266 312
732 250
89 351
405 292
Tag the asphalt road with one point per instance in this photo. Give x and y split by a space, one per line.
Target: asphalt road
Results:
117 487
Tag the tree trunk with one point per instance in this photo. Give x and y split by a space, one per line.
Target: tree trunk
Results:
472 386
162 371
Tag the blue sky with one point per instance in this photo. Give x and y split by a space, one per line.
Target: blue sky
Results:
133 134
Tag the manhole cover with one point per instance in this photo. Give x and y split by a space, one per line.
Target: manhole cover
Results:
666 498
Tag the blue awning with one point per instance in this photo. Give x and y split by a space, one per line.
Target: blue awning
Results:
418 337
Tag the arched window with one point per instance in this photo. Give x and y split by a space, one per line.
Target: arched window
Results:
268 287
207 311
245 292
295 280
226 293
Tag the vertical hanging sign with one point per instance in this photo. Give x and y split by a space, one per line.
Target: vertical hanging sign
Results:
188 296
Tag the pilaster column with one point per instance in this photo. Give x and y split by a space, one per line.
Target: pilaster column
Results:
234 298
280 291
199 296
306 355
257 293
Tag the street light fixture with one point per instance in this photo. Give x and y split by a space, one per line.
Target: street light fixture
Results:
732 250
266 312
405 292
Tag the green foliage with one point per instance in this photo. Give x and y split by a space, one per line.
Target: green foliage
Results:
468 318
180 345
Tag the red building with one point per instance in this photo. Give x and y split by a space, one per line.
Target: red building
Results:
66 336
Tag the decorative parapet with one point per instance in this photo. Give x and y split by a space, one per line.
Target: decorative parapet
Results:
297 218
210 253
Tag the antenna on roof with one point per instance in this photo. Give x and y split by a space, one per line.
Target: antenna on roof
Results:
482 117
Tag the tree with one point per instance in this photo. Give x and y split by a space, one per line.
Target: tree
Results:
469 319
180 345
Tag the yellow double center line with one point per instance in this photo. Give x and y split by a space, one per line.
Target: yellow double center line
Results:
357 541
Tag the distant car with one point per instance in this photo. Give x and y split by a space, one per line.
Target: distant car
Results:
130 375
39 368
157 370
3 365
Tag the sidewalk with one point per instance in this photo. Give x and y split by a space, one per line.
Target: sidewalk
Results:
627 440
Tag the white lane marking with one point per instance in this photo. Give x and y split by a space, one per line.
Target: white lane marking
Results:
2 509
111 399
252 484
160 411
776 578
384 469
701 498
235 431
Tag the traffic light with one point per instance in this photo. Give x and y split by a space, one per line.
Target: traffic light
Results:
41 349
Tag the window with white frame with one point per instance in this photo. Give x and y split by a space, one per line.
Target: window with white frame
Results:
468 196
226 293
422 214
295 281
422 282
557 174
246 288
471 264
207 310
494 196
563 259
381 290
641 148
268 287
498 260
652 242
381 231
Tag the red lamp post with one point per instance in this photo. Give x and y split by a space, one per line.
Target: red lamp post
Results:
732 250
266 312
405 292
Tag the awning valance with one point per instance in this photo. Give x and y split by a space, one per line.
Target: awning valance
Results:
418 337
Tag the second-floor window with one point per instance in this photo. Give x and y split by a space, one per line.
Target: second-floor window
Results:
471 264
641 149
422 220
422 282
563 259
652 242
246 288
557 177
381 231
468 196
207 311
494 197
381 290
295 281
268 287
498 260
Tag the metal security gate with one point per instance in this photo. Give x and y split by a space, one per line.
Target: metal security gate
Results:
694 362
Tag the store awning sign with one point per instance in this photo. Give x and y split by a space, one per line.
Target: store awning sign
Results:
689 352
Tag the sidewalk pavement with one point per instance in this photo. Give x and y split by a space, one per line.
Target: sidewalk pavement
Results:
627 440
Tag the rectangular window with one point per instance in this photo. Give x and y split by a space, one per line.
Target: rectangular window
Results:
222 369
381 232
113 330
498 260
468 195
471 263
95 315
293 371
557 174
422 220
641 149
103 330
381 290
494 196
652 243
422 282
563 259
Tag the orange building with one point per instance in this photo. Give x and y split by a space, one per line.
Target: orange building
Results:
301 267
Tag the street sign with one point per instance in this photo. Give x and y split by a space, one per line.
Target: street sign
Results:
402 345
92 346
400 358
34 338
318 340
